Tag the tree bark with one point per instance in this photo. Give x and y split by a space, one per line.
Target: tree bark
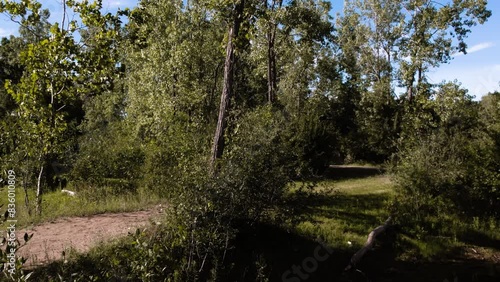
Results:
410 89
25 188
271 68
271 55
39 192
420 75
227 90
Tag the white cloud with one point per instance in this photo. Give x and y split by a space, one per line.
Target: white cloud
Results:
478 80
115 3
5 32
476 48
119 3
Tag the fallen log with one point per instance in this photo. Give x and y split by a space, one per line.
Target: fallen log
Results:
368 245
71 193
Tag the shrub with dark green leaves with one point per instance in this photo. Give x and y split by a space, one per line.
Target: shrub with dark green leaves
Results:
310 137
451 170
110 159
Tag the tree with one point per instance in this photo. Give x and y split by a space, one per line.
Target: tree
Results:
50 91
406 38
490 118
227 88
428 36
173 68
272 9
10 69
392 43
368 34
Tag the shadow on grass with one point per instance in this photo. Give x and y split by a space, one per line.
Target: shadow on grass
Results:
382 265
478 238
269 253
340 172
283 255
274 253
266 251
279 255
358 210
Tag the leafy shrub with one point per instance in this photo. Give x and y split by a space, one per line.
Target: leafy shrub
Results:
451 171
108 159
208 210
310 138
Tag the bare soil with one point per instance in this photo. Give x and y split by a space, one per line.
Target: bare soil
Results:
51 239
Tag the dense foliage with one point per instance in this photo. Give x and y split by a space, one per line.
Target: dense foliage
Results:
99 102
452 168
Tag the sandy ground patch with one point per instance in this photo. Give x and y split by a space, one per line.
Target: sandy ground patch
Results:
50 239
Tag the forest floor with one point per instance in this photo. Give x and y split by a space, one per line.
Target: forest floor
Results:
52 240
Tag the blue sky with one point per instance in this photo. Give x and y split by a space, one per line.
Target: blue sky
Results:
478 71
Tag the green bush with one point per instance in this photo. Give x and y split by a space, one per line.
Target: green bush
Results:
451 172
207 210
108 159
310 137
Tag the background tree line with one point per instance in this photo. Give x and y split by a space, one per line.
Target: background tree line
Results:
219 105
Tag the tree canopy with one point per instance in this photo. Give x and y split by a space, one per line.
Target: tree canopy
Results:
219 105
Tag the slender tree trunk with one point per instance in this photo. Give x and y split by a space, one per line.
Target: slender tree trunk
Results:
39 192
271 54
389 71
410 88
210 104
271 68
227 90
420 75
25 188
420 78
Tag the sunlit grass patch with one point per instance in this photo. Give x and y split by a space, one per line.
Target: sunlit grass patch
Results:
370 185
343 212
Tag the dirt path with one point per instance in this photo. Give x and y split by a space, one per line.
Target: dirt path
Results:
50 239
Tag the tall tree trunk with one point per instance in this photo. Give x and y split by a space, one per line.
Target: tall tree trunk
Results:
271 54
271 68
420 78
25 188
227 90
389 71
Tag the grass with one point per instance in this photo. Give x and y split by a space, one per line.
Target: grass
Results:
337 211
87 202
343 212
